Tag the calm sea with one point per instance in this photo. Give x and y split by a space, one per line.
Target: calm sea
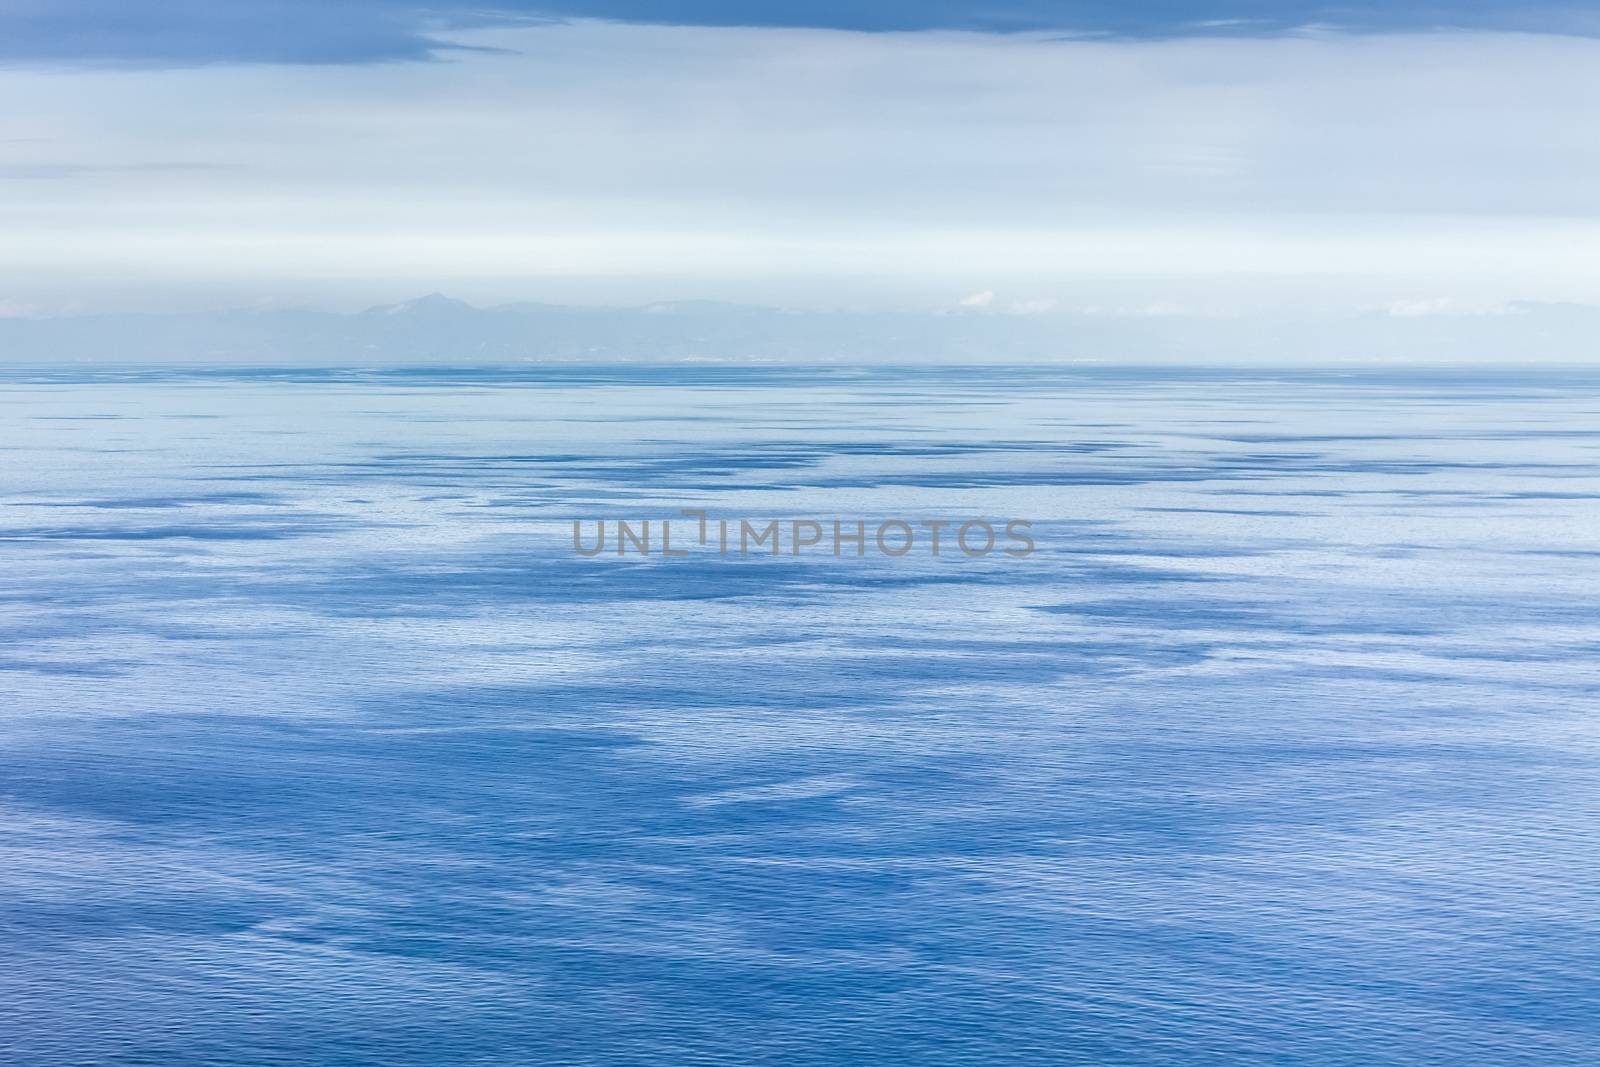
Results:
320 746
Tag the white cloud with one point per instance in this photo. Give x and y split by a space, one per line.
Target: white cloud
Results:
1412 309
1443 305
978 300
1350 170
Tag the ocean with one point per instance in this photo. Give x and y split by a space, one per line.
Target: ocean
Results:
320 744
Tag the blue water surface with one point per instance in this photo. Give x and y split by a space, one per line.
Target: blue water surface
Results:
320 746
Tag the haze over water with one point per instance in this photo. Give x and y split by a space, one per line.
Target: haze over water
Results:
318 744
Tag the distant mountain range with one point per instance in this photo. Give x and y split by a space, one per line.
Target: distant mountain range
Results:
438 330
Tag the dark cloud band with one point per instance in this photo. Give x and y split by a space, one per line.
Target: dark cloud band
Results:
192 32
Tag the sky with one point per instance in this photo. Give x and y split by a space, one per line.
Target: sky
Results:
1196 156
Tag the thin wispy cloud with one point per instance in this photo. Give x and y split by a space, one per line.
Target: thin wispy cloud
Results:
54 171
